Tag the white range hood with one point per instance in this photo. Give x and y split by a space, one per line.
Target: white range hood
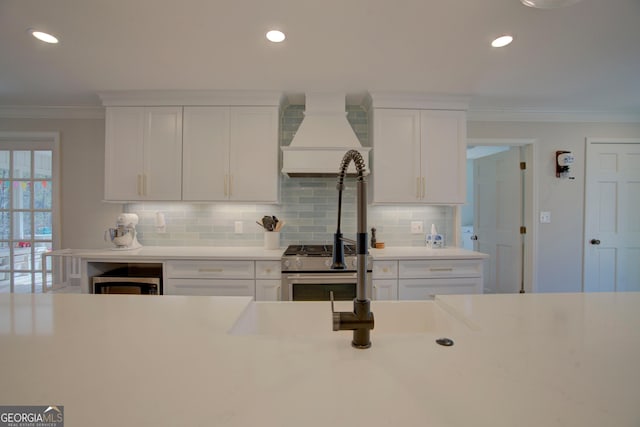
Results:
322 139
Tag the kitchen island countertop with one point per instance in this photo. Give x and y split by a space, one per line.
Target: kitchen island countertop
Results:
518 360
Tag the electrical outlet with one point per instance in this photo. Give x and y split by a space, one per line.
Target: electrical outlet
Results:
238 227
417 227
545 217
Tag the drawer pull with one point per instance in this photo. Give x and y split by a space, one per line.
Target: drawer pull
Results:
441 269
210 270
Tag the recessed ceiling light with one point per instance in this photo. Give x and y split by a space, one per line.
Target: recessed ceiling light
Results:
45 37
548 4
275 36
502 41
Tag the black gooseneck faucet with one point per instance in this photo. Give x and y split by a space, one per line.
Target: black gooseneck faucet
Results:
360 321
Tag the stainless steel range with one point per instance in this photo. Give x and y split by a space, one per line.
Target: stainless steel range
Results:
307 274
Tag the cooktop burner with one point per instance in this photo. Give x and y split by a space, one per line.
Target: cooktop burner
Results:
316 250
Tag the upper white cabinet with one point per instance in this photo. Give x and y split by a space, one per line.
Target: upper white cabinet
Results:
419 155
230 153
143 152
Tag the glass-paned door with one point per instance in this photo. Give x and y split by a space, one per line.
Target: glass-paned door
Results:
26 216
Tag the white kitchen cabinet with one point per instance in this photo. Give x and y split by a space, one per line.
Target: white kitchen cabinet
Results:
384 289
422 279
230 154
212 278
143 148
268 280
384 283
419 156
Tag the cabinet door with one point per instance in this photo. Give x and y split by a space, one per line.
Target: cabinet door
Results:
210 287
385 289
253 161
124 134
444 141
268 290
423 289
396 156
205 170
162 179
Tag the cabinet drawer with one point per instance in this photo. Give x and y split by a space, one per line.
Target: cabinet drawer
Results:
208 287
385 269
268 269
210 269
421 289
439 268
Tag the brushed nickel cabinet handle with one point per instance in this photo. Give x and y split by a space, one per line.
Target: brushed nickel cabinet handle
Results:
139 185
441 269
417 187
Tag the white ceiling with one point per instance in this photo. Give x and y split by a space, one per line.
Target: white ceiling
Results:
580 58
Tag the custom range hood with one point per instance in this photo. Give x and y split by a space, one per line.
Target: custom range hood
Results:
322 139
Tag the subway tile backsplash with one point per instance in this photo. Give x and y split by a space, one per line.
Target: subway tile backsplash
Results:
309 207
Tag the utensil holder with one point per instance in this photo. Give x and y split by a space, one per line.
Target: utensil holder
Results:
272 240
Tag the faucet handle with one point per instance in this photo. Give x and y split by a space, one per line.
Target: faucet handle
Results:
335 316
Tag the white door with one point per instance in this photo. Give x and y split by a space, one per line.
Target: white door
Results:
612 224
497 219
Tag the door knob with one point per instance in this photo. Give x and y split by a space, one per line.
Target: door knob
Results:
594 241
474 237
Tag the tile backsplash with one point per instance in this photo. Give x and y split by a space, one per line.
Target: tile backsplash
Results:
309 207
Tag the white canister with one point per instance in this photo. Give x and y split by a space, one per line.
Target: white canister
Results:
272 240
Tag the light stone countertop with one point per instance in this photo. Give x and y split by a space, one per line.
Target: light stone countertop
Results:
159 253
518 360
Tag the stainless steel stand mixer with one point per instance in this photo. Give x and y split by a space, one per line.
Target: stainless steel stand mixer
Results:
124 235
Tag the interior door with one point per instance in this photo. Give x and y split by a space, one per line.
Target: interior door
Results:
497 219
612 228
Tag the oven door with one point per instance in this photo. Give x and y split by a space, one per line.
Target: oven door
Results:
318 286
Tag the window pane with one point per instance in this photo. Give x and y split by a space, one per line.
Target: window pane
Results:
22 258
42 167
22 164
5 194
22 195
42 195
22 283
43 225
38 249
4 164
4 225
4 267
22 226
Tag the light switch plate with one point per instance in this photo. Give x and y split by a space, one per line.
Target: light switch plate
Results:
545 217
417 227
238 227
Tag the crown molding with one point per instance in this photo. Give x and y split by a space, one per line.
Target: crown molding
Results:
139 98
416 101
50 112
517 115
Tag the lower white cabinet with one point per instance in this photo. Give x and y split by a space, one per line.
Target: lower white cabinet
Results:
268 284
422 279
259 279
421 289
384 283
210 278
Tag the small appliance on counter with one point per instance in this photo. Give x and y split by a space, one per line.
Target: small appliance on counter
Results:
124 236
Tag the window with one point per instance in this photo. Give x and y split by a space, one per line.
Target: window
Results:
28 208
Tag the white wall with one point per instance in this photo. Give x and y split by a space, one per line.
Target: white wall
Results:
560 243
84 215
